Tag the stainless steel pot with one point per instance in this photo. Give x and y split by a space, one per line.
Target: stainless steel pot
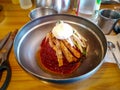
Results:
28 40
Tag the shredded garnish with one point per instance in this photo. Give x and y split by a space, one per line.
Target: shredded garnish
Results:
72 47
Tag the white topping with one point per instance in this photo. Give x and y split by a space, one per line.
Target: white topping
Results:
62 30
70 41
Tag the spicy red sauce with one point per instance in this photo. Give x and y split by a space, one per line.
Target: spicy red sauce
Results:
48 61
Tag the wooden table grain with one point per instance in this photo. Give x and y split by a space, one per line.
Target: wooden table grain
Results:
13 17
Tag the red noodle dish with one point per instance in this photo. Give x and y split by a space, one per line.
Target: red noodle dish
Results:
62 50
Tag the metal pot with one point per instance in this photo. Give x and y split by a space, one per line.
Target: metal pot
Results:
29 37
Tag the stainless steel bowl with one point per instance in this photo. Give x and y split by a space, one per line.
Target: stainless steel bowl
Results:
27 43
40 11
110 1
59 5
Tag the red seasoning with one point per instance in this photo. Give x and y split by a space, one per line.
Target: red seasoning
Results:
50 63
61 54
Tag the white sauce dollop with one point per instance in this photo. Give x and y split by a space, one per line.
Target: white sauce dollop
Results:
62 30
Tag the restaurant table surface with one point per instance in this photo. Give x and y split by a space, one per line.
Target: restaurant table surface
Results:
12 17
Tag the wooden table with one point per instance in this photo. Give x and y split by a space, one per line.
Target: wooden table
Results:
13 17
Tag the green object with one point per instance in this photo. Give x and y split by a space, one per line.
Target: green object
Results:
98 1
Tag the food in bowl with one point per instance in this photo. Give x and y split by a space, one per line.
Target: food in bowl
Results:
62 50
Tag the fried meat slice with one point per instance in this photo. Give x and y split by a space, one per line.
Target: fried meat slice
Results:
67 53
72 49
57 49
